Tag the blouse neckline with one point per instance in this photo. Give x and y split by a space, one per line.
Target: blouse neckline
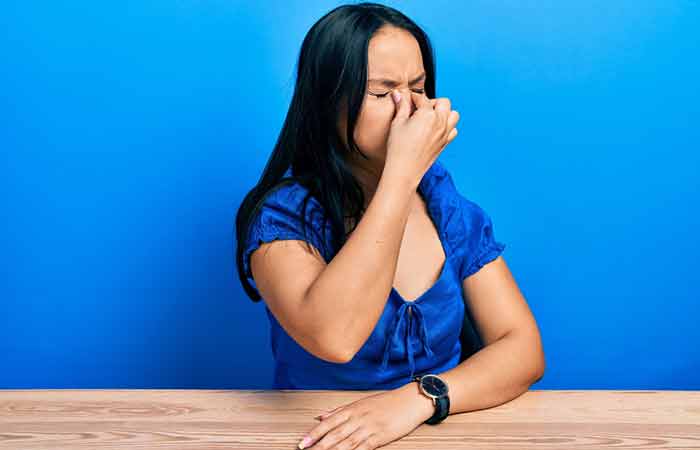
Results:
430 204
426 187
425 190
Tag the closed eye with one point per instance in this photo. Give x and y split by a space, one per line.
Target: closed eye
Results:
418 91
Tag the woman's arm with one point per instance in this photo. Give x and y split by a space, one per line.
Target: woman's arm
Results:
331 309
512 358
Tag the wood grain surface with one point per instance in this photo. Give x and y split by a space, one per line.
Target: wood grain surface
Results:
278 419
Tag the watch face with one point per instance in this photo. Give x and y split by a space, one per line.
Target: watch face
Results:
434 386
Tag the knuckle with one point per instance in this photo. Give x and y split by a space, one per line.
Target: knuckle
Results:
371 441
362 446
339 438
353 440
326 443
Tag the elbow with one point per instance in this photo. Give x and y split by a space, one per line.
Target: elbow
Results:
529 345
347 351
320 339
344 353
344 358
338 357
538 376
331 355
329 350
336 346
535 350
539 369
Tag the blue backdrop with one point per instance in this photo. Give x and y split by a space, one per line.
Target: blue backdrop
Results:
131 130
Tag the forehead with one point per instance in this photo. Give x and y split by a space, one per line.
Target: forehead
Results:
394 53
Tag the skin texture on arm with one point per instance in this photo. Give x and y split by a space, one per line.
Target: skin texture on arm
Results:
511 360
297 284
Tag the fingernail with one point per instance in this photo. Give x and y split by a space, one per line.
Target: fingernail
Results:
396 95
306 441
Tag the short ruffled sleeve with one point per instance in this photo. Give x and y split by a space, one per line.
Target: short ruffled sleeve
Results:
468 228
478 242
280 218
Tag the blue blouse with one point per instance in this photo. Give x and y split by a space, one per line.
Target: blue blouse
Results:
411 337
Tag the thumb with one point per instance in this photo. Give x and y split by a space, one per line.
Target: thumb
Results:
403 105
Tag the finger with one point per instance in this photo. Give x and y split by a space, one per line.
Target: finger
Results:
452 135
443 105
338 408
403 105
421 100
370 443
336 438
325 415
442 108
328 413
322 428
357 439
452 119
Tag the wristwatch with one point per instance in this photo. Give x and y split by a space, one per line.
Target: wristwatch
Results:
436 389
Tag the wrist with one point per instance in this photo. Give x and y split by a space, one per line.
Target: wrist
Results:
405 182
417 401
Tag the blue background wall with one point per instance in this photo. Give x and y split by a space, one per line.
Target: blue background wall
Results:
131 130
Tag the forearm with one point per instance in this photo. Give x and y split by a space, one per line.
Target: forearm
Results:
359 277
496 374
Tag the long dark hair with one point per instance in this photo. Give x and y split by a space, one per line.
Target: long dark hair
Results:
331 75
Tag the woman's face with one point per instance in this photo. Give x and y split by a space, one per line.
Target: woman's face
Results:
394 62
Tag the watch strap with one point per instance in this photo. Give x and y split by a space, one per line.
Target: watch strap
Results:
442 409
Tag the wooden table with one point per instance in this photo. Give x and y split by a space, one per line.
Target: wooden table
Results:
269 419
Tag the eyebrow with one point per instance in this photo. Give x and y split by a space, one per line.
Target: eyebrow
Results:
392 83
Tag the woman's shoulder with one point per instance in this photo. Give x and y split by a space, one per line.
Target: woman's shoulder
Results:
289 207
291 198
288 211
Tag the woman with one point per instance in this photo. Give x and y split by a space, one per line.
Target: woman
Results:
366 255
